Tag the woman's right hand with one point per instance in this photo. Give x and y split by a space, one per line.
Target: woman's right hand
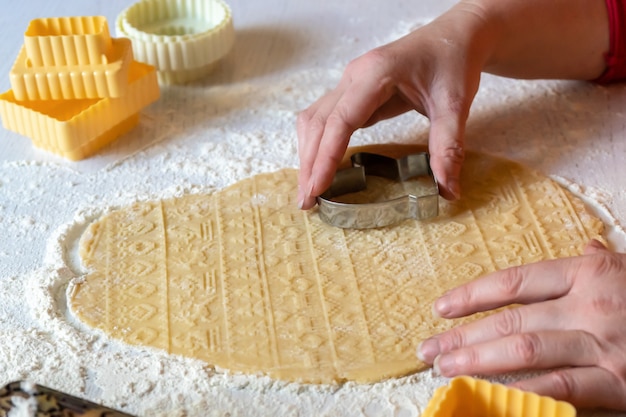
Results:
434 70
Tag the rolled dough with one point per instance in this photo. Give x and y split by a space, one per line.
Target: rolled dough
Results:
243 280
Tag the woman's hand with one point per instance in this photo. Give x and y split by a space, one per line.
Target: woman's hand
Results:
573 322
434 70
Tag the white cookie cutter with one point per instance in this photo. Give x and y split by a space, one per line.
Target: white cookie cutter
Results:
183 39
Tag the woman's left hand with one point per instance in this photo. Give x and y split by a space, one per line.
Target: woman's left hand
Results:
572 321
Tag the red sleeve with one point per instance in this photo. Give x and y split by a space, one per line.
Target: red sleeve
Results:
616 57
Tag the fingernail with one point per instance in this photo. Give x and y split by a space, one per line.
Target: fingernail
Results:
442 307
304 195
300 198
436 366
428 350
444 365
434 312
310 185
455 188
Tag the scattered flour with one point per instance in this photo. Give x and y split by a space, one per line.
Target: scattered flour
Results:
200 138
46 345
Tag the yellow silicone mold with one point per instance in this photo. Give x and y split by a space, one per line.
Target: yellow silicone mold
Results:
183 39
74 81
470 397
76 129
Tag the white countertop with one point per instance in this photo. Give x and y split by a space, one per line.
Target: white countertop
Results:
235 123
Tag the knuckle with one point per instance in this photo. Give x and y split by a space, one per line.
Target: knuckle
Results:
508 322
605 265
312 123
454 153
618 370
446 145
451 340
341 118
334 159
375 58
511 282
602 264
528 348
303 118
563 384
462 297
378 66
608 305
469 361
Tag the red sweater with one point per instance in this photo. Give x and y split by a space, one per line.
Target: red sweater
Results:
616 57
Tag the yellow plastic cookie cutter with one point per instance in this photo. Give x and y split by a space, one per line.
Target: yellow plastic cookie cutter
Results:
379 214
70 58
183 39
64 41
75 129
471 397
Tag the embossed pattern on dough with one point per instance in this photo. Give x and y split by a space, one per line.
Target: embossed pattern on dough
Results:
245 281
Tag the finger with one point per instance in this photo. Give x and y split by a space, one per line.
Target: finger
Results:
521 284
538 350
448 110
352 111
312 121
446 154
588 387
511 321
310 128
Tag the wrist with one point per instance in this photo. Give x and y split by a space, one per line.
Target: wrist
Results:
538 39
478 29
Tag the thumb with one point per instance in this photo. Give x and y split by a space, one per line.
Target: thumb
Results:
445 146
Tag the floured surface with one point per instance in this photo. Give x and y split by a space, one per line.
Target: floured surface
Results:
238 123
243 280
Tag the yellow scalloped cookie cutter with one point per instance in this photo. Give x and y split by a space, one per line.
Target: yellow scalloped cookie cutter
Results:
74 88
470 397
75 129
70 58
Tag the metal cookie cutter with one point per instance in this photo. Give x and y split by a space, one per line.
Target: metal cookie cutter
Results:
384 213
